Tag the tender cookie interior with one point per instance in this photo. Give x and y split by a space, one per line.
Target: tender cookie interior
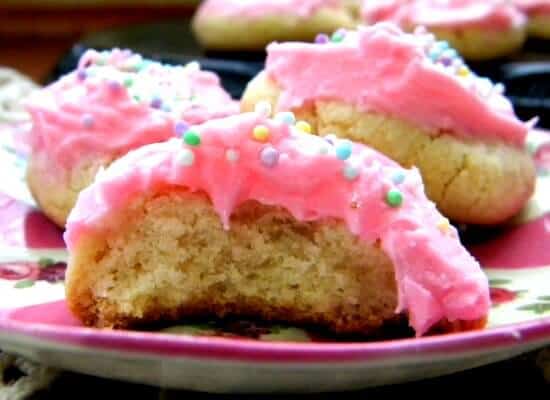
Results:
168 256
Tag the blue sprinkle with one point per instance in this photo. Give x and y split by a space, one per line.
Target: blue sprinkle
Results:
398 177
286 118
443 45
343 149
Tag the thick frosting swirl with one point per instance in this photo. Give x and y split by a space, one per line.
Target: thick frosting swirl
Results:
410 76
491 14
250 157
261 8
116 101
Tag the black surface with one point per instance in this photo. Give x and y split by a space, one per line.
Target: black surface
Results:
525 75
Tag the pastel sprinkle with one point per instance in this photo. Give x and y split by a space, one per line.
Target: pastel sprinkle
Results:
263 108
303 126
88 121
463 71
186 157
343 149
322 38
181 127
398 178
338 36
444 226
269 156
128 82
156 102
232 155
192 138
261 133
351 172
286 118
394 198
81 74
114 86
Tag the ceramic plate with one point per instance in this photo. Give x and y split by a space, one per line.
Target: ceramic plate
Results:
250 356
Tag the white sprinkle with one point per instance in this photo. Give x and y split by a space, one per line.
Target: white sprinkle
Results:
193 66
186 157
232 155
499 88
263 108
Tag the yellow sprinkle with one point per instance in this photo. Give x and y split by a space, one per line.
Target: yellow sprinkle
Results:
261 133
463 71
444 225
303 126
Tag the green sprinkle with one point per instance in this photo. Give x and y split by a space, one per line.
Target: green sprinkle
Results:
128 82
45 262
137 98
192 138
394 198
338 36
25 283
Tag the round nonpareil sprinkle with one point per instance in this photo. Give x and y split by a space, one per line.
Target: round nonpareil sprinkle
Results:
192 138
81 74
181 127
128 82
156 102
398 177
269 156
261 133
303 126
343 149
322 38
338 36
444 225
286 118
186 157
88 121
394 198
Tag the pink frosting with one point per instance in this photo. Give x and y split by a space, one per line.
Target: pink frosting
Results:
410 76
534 7
313 178
92 113
493 14
261 8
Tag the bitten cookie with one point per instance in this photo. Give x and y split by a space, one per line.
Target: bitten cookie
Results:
251 25
412 98
478 30
252 217
114 102
538 12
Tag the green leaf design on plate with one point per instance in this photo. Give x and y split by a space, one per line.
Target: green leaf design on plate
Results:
544 298
45 262
287 334
537 308
193 330
25 283
499 282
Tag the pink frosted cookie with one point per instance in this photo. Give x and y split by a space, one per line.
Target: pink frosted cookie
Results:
114 102
538 12
479 30
252 24
414 99
252 217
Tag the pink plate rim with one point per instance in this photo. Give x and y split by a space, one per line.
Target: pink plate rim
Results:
169 345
